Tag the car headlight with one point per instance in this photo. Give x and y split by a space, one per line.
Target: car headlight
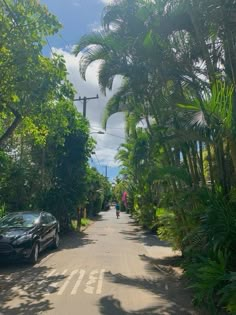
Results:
22 239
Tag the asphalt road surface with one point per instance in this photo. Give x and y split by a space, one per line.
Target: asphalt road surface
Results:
112 268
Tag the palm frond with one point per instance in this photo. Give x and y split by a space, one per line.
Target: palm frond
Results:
118 102
93 39
165 173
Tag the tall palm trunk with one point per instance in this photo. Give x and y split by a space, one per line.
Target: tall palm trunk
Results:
200 156
210 162
221 165
186 164
232 145
195 164
190 162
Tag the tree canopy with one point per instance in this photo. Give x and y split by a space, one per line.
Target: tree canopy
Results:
45 143
177 60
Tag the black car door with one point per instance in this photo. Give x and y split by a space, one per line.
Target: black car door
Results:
45 231
52 222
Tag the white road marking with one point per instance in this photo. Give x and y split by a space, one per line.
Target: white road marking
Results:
52 287
93 285
51 273
92 279
62 289
100 281
78 282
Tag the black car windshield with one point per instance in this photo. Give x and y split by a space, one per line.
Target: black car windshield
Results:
19 220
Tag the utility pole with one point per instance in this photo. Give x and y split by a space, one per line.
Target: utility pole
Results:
82 211
85 99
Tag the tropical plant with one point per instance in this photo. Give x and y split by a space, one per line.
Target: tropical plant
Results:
177 61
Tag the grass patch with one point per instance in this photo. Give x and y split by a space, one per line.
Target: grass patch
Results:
84 222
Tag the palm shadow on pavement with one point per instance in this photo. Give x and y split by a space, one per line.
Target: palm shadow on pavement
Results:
137 234
166 265
166 287
109 305
29 287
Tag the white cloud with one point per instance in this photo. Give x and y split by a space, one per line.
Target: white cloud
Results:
95 27
107 1
108 143
76 3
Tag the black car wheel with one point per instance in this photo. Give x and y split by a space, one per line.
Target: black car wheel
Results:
56 241
34 254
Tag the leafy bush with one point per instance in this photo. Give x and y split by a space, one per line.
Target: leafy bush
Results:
2 210
168 229
228 293
203 227
212 274
207 276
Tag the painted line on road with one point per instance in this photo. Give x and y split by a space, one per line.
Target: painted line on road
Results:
51 273
92 280
100 282
54 286
78 282
62 289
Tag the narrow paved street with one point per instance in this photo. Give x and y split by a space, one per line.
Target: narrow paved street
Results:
112 269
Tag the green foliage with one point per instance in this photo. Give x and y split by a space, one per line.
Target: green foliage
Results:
2 211
98 192
213 285
208 275
168 229
27 78
219 224
183 164
45 141
228 293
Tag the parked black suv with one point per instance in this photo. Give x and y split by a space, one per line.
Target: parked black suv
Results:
25 234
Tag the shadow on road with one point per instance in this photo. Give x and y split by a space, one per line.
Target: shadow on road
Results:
75 240
100 217
166 287
166 265
137 234
110 305
28 286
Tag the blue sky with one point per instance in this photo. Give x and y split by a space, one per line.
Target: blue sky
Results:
80 17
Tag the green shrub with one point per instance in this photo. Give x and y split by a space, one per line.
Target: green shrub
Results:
168 229
228 293
207 276
2 210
